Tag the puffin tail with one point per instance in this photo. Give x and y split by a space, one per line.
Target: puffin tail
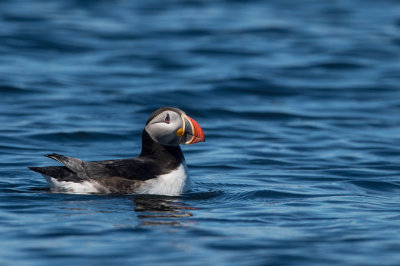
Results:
72 166
70 172
61 173
40 170
49 170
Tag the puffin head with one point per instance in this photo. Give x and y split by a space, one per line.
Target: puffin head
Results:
171 126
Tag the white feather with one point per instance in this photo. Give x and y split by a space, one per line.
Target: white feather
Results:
73 187
171 184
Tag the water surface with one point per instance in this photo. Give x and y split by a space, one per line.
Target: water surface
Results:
299 103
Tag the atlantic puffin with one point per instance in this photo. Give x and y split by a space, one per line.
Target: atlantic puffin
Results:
159 169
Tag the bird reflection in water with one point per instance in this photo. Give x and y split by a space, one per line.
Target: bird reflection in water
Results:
161 210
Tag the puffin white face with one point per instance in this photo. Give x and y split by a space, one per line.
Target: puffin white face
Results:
164 126
171 126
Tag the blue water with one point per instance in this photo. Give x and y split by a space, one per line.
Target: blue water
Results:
299 102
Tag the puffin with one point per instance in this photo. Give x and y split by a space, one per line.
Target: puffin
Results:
160 168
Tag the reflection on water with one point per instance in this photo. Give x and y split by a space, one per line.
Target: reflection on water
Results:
161 210
151 209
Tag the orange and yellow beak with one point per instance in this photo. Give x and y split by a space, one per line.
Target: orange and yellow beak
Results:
191 132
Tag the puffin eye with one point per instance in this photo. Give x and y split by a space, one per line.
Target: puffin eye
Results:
167 119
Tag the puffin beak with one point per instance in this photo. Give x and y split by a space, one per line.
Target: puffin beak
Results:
192 132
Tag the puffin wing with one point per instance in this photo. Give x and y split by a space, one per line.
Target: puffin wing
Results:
77 170
73 164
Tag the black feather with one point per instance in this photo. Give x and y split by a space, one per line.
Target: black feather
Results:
61 173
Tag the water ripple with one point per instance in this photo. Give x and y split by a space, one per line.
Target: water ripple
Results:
299 105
